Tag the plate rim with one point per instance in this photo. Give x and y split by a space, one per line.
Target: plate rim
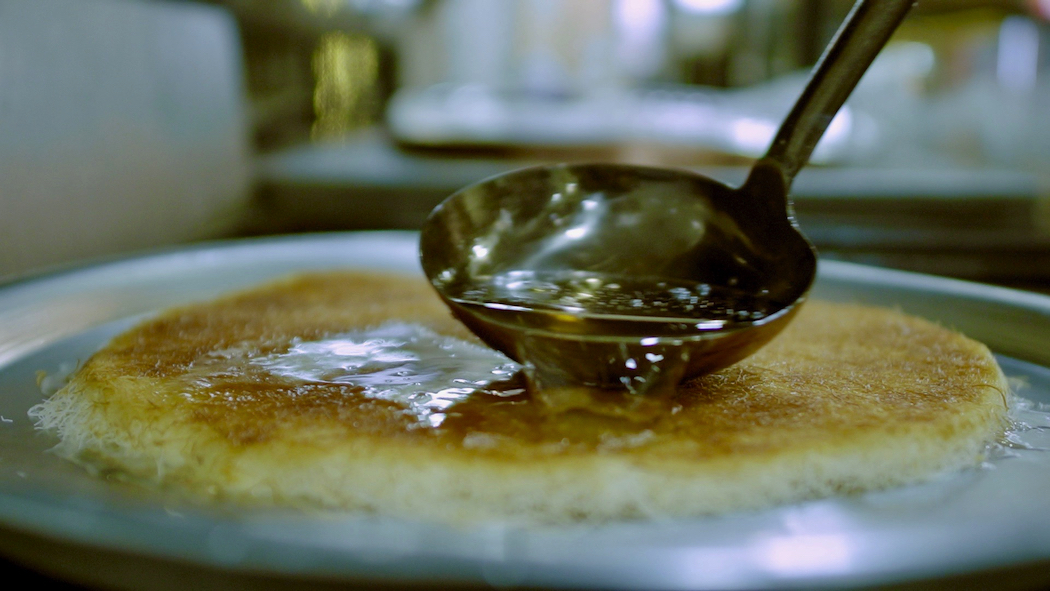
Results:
829 272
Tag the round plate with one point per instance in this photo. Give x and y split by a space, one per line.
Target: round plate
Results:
994 517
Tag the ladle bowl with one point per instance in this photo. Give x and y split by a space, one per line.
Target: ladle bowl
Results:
521 258
630 277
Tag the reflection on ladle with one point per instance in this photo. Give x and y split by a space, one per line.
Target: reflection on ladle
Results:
633 278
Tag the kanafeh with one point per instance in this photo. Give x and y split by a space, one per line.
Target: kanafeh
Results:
207 399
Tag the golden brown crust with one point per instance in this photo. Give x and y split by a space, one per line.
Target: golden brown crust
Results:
847 398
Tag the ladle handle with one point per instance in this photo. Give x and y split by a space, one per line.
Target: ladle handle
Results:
860 38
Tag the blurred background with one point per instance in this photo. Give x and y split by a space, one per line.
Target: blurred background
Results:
134 124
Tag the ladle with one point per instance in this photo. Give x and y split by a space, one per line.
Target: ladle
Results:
635 278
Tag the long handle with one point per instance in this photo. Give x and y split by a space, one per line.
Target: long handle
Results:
860 38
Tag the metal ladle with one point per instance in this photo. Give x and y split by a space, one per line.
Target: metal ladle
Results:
634 278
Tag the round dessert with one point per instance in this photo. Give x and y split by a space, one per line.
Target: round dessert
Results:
358 391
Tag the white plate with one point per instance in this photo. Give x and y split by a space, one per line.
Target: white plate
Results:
997 517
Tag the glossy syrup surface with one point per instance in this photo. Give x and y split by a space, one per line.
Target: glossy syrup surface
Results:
1029 428
587 294
638 334
409 365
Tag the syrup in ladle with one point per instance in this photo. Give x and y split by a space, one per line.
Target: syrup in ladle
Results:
634 278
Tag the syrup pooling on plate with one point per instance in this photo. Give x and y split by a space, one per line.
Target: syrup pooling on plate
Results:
1029 429
406 364
600 295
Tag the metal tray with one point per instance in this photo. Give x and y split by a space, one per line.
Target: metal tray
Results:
58 518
